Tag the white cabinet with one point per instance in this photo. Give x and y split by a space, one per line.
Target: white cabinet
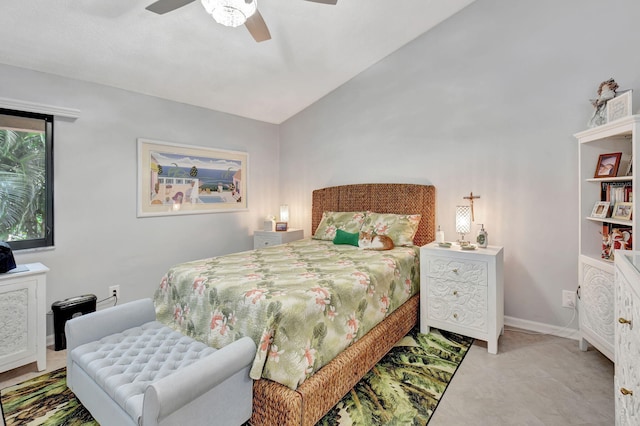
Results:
272 238
627 339
22 317
597 235
462 291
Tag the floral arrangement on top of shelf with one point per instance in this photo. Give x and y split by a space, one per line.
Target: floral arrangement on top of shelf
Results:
610 105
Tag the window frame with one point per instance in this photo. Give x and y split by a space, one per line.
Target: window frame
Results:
47 240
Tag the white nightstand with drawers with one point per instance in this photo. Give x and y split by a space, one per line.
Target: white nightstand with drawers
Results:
272 238
462 291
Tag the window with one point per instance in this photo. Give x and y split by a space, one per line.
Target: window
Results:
26 179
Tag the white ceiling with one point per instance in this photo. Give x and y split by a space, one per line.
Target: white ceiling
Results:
187 57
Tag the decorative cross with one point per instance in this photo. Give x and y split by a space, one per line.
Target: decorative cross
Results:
471 197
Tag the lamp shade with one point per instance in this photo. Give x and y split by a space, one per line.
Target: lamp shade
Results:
284 213
231 13
463 219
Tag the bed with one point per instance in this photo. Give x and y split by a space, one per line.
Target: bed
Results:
300 378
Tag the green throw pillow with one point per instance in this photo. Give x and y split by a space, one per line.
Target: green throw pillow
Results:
343 237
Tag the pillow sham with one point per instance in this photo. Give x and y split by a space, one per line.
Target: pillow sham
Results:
401 228
331 221
343 237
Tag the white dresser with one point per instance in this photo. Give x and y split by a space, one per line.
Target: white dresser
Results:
462 291
272 238
627 338
23 317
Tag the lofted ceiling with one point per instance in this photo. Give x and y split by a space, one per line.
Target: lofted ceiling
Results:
185 56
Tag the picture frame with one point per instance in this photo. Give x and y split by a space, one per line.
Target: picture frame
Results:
626 165
168 173
619 107
600 209
622 210
281 226
608 165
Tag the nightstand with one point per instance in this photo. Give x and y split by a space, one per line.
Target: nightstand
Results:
272 238
462 291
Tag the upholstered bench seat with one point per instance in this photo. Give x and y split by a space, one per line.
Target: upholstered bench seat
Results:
127 370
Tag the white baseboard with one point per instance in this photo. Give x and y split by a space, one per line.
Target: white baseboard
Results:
538 327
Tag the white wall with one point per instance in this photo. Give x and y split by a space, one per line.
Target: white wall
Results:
486 102
99 241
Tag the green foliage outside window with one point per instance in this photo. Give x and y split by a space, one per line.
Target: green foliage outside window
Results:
24 188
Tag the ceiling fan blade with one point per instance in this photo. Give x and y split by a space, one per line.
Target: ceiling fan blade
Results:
163 6
325 1
257 27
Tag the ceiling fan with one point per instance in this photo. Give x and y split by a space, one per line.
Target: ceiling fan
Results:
231 13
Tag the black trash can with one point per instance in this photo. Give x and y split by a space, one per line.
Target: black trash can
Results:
66 309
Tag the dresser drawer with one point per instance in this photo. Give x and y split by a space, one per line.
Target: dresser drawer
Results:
266 241
457 270
271 238
458 302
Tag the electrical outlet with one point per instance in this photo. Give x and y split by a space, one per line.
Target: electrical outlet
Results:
114 290
568 299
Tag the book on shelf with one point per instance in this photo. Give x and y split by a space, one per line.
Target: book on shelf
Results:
615 237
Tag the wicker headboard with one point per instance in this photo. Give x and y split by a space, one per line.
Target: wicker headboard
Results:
399 198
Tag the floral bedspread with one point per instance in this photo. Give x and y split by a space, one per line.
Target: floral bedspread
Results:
302 302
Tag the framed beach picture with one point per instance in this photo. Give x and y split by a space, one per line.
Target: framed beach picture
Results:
175 179
600 209
619 107
608 165
622 211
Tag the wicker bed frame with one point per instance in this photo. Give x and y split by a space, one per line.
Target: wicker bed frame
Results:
276 404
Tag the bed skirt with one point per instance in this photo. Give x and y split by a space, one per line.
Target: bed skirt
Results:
276 404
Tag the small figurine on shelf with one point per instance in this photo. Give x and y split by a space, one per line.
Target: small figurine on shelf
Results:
606 91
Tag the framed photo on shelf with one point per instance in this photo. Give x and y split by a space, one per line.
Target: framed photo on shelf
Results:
608 165
281 226
601 209
619 107
622 211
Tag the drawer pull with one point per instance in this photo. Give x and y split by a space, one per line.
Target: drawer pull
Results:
625 391
624 321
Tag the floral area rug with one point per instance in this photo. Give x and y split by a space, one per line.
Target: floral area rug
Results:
404 388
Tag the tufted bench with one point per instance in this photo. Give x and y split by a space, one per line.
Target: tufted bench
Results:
128 369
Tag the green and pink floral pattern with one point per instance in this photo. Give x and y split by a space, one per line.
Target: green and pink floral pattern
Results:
350 222
401 228
302 303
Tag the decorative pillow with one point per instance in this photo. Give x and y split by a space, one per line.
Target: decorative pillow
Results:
347 221
401 228
343 237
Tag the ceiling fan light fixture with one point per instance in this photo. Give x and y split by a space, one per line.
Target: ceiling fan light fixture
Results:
231 13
